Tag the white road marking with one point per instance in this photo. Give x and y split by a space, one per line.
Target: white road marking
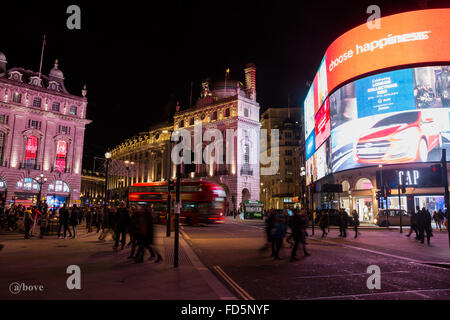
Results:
417 292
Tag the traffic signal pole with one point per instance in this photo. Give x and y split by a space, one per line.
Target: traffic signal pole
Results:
445 183
169 209
177 217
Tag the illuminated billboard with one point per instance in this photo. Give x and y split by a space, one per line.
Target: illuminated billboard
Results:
322 124
406 38
400 116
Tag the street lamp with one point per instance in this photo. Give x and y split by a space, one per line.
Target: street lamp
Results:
108 160
41 180
128 165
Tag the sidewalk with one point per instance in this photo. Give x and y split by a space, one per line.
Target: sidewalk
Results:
105 274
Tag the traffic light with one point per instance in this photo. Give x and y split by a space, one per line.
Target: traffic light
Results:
313 187
382 192
388 191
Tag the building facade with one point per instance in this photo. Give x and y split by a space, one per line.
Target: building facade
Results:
286 187
227 113
92 188
143 158
41 133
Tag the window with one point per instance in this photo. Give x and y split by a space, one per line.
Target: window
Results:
64 129
227 112
34 124
191 121
61 156
31 147
181 123
214 115
287 135
55 106
4 119
73 110
2 144
17 98
245 112
27 184
37 102
288 152
288 162
58 186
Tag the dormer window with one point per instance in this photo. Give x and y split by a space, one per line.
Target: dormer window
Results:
227 112
53 86
35 81
73 110
16 76
181 123
191 121
214 115
37 102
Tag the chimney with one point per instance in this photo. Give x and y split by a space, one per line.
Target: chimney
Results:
250 80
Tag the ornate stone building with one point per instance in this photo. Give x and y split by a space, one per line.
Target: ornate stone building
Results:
41 132
229 108
143 158
92 187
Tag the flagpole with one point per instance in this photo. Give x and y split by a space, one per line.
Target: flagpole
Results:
42 55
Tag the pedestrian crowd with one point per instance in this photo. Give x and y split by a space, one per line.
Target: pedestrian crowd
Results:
421 223
136 224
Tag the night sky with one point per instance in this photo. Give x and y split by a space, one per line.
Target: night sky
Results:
139 58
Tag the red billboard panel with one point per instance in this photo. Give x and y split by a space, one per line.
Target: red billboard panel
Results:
322 124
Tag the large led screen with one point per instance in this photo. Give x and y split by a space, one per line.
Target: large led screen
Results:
322 124
395 117
310 145
309 111
407 38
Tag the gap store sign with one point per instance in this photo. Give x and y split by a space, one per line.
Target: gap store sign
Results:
419 177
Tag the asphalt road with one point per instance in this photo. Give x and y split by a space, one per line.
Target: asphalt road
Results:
337 268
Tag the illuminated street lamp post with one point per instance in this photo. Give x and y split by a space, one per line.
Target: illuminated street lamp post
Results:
108 160
128 165
41 180
169 187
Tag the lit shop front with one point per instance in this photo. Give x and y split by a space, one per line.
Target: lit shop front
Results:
380 101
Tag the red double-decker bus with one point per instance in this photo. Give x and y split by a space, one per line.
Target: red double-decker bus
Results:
202 201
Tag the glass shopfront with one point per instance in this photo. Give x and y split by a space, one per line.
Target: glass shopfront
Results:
430 202
364 207
393 202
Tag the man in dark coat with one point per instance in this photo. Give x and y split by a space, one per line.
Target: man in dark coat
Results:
278 233
122 221
75 219
356 222
343 223
89 219
323 222
64 220
413 225
145 235
299 223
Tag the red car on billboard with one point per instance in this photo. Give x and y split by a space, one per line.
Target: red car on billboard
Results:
402 137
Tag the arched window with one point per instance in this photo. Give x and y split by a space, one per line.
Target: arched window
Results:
364 184
27 184
61 156
31 146
58 186
345 186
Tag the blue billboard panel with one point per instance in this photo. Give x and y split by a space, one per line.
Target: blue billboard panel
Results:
310 145
385 93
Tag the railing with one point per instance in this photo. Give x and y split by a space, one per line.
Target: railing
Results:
222 172
29 166
66 170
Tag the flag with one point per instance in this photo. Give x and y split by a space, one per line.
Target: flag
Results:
42 56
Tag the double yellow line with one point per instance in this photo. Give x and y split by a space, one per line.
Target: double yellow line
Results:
244 295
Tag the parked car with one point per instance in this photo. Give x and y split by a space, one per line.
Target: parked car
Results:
402 137
391 217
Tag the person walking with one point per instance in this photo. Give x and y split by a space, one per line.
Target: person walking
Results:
414 228
145 236
343 223
278 233
440 217
299 223
133 231
427 227
355 216
269 223
28 222
74 219
44 219
122 221
323 222
64 215
99 221
88 218
436 219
